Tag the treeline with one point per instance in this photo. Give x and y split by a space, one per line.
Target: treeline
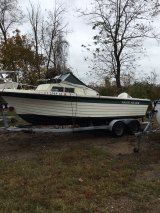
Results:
135 90
115 49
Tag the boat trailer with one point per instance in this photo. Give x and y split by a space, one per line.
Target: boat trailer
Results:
117 126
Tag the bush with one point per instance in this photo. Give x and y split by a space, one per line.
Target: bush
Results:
144 90
137 90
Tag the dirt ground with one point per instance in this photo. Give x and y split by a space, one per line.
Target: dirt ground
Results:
21 146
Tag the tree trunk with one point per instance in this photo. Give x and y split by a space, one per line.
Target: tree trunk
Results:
118 83
118 78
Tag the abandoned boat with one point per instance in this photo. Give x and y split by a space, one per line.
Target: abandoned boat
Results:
65 100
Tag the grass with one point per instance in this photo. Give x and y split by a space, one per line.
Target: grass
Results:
81 179
16 120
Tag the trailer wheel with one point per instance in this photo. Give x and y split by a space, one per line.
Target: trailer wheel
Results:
133 127
118 129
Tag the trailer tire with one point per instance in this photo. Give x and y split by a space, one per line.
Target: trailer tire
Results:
118 129
133 127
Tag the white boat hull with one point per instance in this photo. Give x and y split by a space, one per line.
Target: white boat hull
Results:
50 109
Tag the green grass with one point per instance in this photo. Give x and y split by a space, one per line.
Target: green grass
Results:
144 190
80 179
15 121
18 120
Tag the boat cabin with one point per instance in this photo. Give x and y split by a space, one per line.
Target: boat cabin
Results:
67 84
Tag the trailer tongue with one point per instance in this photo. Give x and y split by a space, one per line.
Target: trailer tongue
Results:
155 113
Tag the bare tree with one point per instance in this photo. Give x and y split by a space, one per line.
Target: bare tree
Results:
54 38
35 18
59 53
48 33
121 27
10 15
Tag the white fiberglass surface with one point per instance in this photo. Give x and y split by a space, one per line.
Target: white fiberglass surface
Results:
79 109
43 87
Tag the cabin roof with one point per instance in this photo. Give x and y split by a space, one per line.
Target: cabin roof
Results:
69 77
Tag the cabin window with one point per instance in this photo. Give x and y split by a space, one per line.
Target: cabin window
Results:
67 89
57 89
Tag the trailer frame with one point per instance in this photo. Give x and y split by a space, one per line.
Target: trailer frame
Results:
118 127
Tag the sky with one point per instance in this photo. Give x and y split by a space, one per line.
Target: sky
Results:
83 34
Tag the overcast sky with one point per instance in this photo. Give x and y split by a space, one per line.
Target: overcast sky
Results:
83 34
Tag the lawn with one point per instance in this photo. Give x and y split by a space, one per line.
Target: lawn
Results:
81 178
89 172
